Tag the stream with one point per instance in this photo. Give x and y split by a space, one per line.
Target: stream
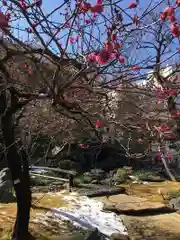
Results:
87 213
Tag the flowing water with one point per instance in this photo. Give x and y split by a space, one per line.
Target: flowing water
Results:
88 213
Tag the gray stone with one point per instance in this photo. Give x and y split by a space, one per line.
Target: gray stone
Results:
6 195
5 175
107 191
87 174
106 181
95 174
98 171
95 181
174 203
6 185
95 235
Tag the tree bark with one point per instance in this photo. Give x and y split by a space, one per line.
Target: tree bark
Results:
18 165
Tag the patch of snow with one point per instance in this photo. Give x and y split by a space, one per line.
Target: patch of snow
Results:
133 177
55 150
88 213
39 171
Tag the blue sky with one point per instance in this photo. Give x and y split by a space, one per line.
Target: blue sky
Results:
48 6
99 32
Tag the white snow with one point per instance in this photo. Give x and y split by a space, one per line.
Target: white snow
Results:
88 213
55 150
39 171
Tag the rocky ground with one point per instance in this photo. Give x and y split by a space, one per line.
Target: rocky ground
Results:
142 208
40 230
154 225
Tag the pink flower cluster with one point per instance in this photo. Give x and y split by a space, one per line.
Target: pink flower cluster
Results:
133 5
108 53
163 128
169 13
162 94
83 145
4 20
168 156
85 7
98 124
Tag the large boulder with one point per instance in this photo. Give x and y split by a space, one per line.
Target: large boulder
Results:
6 195
174 203
131 205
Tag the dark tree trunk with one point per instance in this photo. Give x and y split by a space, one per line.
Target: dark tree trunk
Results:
18 165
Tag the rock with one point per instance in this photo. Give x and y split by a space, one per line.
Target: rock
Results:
129 170
95 235
87 179
119 236
59 183
98 171
106 181
152 179
6 195
6 185
106 192
95 181
87 174
110 207
55 188
95 174
174 203
5 175
131 205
